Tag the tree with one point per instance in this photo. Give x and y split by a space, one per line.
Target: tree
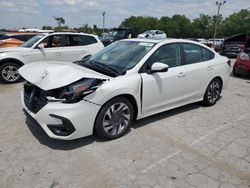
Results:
238 22
47 27
60 21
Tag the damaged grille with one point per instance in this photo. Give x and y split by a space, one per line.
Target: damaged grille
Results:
34 97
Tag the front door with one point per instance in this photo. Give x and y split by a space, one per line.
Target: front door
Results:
52 50
162 90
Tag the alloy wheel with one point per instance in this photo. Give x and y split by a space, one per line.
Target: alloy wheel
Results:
10 73
213 91
116 118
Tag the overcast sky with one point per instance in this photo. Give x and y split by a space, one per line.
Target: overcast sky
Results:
16 14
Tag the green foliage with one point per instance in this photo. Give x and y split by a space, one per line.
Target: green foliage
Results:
238 22
179 26
47 27
60 21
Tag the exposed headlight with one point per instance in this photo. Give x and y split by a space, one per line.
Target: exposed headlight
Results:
75 92
244 57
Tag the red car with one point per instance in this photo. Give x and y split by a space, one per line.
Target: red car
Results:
242 64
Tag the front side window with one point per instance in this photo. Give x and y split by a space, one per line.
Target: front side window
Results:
168 54
52 41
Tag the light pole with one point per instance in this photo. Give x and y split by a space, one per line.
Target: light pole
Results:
103 21
219 5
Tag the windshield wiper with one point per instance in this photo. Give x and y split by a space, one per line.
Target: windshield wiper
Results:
105 67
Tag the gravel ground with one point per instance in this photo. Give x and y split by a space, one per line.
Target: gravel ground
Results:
192 146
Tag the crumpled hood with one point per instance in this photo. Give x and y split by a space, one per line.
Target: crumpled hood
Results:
52 75
13 49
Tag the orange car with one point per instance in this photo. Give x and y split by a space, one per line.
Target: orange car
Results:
14 39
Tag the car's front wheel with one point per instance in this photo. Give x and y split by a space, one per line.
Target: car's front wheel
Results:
212 93
9 73
114 119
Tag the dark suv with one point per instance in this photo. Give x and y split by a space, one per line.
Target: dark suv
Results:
232 46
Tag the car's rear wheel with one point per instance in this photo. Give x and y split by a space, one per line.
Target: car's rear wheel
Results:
9 73
114 118
212 93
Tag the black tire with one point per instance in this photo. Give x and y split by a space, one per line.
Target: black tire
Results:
9 73
212 93
235 73
102 116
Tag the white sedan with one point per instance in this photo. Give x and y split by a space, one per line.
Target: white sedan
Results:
153 34
126 81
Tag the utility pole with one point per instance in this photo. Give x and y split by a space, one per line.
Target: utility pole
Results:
103 21
219 5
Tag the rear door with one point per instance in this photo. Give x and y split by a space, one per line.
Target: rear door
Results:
199 69
78 46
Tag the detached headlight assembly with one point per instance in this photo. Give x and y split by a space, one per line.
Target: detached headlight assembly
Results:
76 91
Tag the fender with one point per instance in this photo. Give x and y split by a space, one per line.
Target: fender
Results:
11 60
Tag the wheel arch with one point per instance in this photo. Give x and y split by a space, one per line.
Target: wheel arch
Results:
219 78
11 60
125 95
131 98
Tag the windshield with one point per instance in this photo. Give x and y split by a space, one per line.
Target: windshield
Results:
122 55
119 33
32 41
149 32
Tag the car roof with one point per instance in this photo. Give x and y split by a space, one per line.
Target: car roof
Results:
170 40
69 33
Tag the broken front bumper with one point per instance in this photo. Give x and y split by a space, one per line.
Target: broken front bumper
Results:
66 121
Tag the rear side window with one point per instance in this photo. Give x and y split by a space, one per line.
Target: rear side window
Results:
207 54
195 54
79 40
86 40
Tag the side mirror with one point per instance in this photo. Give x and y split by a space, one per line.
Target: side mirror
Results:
40 46
158 67
87 57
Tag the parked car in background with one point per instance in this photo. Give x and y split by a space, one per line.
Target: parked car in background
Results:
153 34
117 34
66 47
232 46
128 80
201 40
242 64
15 39
106 39
215 42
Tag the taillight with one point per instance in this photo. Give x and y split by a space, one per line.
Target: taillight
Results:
244 57
242 46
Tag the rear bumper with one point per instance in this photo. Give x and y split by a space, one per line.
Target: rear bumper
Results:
65 121
244 71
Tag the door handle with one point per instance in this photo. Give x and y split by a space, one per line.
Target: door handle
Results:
210 68
58 53
181 75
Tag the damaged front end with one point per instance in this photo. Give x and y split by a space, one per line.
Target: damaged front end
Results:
35 98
